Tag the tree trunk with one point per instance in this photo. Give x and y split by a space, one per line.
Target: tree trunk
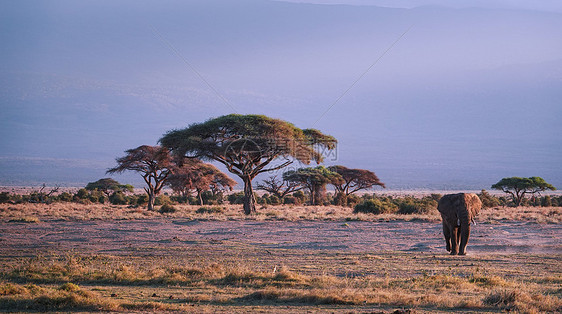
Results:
319 194
249 199
340 199
200 196
151 198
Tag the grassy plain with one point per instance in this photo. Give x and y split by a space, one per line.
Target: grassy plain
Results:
75 211
238 276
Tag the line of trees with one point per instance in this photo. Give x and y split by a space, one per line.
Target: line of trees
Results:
248 145
365 202
345 181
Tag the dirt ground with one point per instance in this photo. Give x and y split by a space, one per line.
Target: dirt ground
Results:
405 262
124 237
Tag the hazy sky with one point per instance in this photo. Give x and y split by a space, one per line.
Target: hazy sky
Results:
542 5
427 96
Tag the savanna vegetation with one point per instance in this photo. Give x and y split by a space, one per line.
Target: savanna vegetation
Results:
240 279
233 275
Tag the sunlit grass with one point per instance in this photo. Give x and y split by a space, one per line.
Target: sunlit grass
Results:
120 283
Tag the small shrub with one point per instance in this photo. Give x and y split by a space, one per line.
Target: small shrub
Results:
291 200
209 210
167 208
353 200
118 198
300 195
488 200
411 205
27 219
375 206
69 286
5 197
274 200
180 199
12 289
236 198
263 200
162 199
82 194
436 196
521 301
65 197
142 199
546 201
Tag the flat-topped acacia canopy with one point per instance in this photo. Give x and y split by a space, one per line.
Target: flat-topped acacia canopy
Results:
247 144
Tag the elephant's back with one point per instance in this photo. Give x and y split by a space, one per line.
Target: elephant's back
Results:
451 204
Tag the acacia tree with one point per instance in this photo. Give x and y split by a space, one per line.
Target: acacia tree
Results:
315 181
108 185
279 187
247 144
517 187
154 163
221 182
353 180
199 176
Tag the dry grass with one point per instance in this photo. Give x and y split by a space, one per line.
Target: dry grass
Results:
194 282
239 277
68 297
35 213
533 214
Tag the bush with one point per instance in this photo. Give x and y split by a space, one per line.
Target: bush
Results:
82 194
5 197
411 205
132 200
436 197
142 199
236 198
167 208
274 200
300 195
179 199
69 286
118 198
353 200
162 199
535 201
291 200
97 197
546 201
209 210
488 200
340 199
65 197
375 206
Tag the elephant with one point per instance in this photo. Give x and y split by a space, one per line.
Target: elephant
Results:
457 211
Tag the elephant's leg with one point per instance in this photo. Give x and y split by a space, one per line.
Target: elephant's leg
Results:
465 234
454 241
447 234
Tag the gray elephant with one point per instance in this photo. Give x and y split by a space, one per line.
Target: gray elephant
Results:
457 211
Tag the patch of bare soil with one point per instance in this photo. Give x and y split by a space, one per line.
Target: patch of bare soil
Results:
241 266
126 237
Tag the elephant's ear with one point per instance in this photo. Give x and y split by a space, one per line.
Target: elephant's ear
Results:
474 204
